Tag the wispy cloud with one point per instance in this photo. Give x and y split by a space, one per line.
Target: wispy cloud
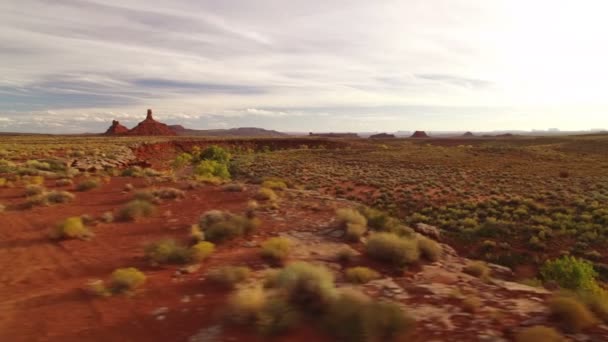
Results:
302 65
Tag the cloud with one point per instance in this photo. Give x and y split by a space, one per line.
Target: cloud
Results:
303 64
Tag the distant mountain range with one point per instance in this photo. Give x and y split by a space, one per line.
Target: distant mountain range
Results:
231 132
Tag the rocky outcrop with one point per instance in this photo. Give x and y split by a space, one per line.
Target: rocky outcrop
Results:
468 134
382 136
420 134
116 129
151 127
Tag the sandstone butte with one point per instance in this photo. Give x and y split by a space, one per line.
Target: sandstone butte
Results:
147 127
420 134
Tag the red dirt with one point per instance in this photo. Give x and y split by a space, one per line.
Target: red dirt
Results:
43 296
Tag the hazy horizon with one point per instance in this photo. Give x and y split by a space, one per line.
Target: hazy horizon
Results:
448 65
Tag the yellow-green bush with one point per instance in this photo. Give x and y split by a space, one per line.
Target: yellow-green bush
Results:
307 286
220 226
71 228
477 269
202 250
352 316
59 197
168 193
167 251
229 276
87 184
346 216
539 333
276 248
571 313
393 249
570 273
429 249
33 190
245 305
126 279
266 194
209 169
274 184
354 232
361 275
134 210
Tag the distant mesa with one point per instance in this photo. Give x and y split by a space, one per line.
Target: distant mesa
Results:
468 134
420 134
177 128
382 136
116 129
151 127
333 135
147 127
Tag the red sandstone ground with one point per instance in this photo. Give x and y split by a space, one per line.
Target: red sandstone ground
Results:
43 284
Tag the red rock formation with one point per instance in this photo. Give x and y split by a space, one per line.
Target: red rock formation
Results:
382 136
420 134
151 127
116 129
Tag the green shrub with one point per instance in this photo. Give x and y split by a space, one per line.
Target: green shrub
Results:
394 249
354 232
202 250
134 210
71 228
59 197
277 316
145 195
276 249
570 273
126 279
229 276
168 193
234 187
220 226
87 184
133 171
429 249
477 269
307 286
33 190
211 169
571 314
245 305
381 221
345 255
182 160
346 216
352 316
361 275
215 153
167 251
266 194
274 184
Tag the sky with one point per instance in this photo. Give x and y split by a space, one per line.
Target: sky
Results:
69 66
